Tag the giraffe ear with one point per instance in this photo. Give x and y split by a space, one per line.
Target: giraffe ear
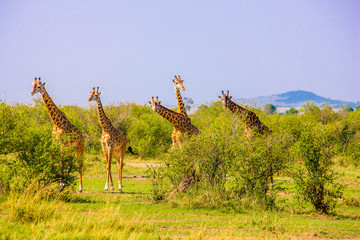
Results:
159 102
219 97
149 102
100 93
230 97
44 84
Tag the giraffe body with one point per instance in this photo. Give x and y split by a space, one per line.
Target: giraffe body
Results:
113 141
63 130
181 124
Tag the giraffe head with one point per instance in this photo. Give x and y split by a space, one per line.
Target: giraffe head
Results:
155 103
38 86
178 83
225 98
94 94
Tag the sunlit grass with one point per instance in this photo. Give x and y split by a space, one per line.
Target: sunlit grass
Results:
132 214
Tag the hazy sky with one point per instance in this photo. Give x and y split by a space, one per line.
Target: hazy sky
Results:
132 49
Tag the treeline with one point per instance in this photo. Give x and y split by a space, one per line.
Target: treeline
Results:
230 166
148 133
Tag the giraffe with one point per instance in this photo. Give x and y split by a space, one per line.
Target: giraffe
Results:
63 129
182 125
113 141
252 122
179 121
178 85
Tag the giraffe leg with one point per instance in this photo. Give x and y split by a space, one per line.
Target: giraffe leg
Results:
79 156
173 138
178 139
61 184
107 160
110 151
120 162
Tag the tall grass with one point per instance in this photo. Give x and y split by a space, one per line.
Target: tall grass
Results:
41 213
34 204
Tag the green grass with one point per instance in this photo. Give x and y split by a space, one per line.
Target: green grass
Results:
132 214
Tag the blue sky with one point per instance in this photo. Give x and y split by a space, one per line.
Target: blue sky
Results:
132 49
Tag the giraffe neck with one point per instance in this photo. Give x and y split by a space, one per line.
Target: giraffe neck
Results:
170 115
181 105
237 109
56 115
104 120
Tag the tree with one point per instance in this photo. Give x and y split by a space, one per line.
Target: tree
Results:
314 178
189 102
270 109
291 111
346 108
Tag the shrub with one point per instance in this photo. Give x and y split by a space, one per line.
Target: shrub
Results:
291 111
148 133
38 156
314 179
221 162
256 162
31 151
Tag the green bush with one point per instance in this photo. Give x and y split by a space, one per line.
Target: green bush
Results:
148 133
223 163
314 178
30 152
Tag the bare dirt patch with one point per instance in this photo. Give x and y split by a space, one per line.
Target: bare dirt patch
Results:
143 164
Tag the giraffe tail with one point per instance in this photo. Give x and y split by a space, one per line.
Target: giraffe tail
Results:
131 151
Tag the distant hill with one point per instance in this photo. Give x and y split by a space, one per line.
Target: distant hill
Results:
295 99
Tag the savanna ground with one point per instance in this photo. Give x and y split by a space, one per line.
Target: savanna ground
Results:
133 214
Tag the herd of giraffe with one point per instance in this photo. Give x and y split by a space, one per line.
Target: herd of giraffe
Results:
114 142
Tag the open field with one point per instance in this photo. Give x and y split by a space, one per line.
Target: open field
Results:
133 214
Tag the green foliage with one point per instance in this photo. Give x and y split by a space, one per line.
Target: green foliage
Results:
32 152
311 112
291 111
149 134
224 163
327 114
270 109
38 156
346 108
7 128
257 160
314 178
